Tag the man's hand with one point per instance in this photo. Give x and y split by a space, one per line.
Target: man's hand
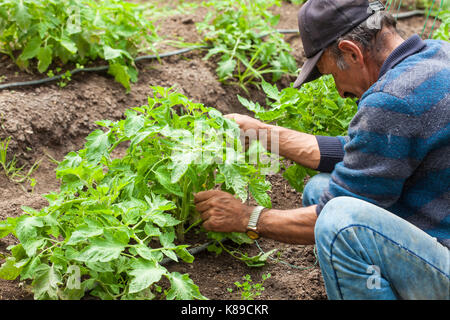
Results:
222 212
246 122
300 147
251 129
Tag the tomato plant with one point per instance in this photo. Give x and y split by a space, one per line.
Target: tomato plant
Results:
116 217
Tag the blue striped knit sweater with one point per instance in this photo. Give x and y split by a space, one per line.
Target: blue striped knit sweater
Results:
397 154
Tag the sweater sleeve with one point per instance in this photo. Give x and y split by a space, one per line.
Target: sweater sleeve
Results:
381 154
331 152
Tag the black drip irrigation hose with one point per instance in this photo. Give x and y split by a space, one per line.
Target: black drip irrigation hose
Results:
94 69
402 15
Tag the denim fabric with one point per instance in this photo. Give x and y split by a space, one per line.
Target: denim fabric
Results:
366 252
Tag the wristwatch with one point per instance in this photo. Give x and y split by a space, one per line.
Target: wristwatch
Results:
252 231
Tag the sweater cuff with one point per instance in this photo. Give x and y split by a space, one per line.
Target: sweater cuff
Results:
331 153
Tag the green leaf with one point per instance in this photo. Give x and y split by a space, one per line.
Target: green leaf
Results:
121 74
144 273
330 104
163 219
110 53
27 228
32 48
156 211
184 254
234 179
133 123
259 189
83 233
151 230
288 62
45 285
163 177
100 266
7 226
31 245
97 145
226 68
22 17
29 269
71 160
256 261
45 58
68 44
143 135
250 105
271 91
104 250
148 254
8 270
170 254
295 175
183 288
178 171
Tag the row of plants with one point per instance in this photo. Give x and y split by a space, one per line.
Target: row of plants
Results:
241 34
116 217
39 34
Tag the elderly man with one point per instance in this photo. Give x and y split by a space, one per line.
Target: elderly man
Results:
380 216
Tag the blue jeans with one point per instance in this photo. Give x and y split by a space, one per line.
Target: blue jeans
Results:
366 252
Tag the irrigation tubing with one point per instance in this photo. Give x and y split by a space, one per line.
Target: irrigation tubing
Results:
94 69
402 15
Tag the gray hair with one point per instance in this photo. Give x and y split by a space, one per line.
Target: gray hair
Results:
364 34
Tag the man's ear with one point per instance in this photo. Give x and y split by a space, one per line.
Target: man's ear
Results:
351 51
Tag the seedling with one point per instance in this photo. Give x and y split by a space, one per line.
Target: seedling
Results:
249 290
15 174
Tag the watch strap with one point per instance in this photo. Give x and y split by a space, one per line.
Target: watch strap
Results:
254 217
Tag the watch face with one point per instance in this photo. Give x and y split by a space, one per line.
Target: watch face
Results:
252 234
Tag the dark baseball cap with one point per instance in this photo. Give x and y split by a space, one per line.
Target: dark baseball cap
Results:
321 22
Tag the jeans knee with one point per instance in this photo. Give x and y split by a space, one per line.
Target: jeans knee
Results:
337 214
314 188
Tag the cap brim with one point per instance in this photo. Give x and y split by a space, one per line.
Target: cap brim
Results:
309 70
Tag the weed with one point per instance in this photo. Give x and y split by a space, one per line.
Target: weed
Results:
249 290
15 174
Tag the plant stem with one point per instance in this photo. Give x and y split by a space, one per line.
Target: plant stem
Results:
185 206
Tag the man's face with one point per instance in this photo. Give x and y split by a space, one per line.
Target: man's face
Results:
352 81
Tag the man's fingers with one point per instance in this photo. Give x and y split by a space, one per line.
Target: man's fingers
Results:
231 116
202 206
205 215
205 195
207 225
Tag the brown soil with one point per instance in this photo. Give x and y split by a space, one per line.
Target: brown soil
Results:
47 121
